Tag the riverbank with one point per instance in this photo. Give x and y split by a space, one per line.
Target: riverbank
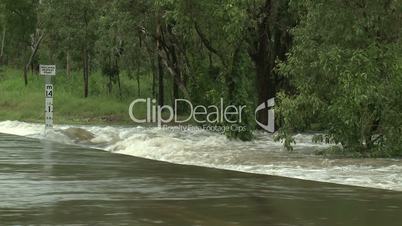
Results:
26 103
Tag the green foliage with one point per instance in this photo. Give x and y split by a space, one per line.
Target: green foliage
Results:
346 65
201 47
343 75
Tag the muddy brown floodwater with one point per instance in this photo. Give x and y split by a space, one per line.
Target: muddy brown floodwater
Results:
50 183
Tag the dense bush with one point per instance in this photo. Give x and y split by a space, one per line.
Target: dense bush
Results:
346 65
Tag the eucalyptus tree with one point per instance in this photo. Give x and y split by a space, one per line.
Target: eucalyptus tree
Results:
146 22
110 44
269 40
171 46
73 24
139 26
20 25
218 40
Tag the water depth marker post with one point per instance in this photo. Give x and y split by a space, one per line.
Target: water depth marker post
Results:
48 71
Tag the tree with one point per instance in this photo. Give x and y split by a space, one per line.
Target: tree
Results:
209 20
269 40
345 64
20 22
79 32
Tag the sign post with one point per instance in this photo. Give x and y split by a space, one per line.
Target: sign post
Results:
48 71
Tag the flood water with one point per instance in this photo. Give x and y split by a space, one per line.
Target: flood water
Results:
203 148
51 183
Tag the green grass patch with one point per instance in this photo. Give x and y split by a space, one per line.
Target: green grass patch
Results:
26 103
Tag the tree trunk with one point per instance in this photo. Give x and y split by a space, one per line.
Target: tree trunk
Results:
110 84
272 41
152 57
68 64
154 74
160 82
160 66
119 84
175 88
35 47
266 88
138 81
26 75
234 74
32 68
176 76
3 39
118 78
85 73
171 62
179 82
263 55
86 56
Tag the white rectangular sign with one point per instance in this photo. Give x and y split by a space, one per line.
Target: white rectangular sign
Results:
47 69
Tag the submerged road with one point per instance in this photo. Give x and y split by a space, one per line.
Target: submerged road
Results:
50 183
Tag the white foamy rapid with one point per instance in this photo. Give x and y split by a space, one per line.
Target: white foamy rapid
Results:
203 148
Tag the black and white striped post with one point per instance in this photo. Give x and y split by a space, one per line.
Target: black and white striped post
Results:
48 71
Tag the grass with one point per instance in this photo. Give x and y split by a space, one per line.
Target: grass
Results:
26 103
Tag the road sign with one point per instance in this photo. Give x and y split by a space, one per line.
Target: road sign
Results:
47 70
48 105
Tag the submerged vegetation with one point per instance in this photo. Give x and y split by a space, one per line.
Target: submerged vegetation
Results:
333 66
